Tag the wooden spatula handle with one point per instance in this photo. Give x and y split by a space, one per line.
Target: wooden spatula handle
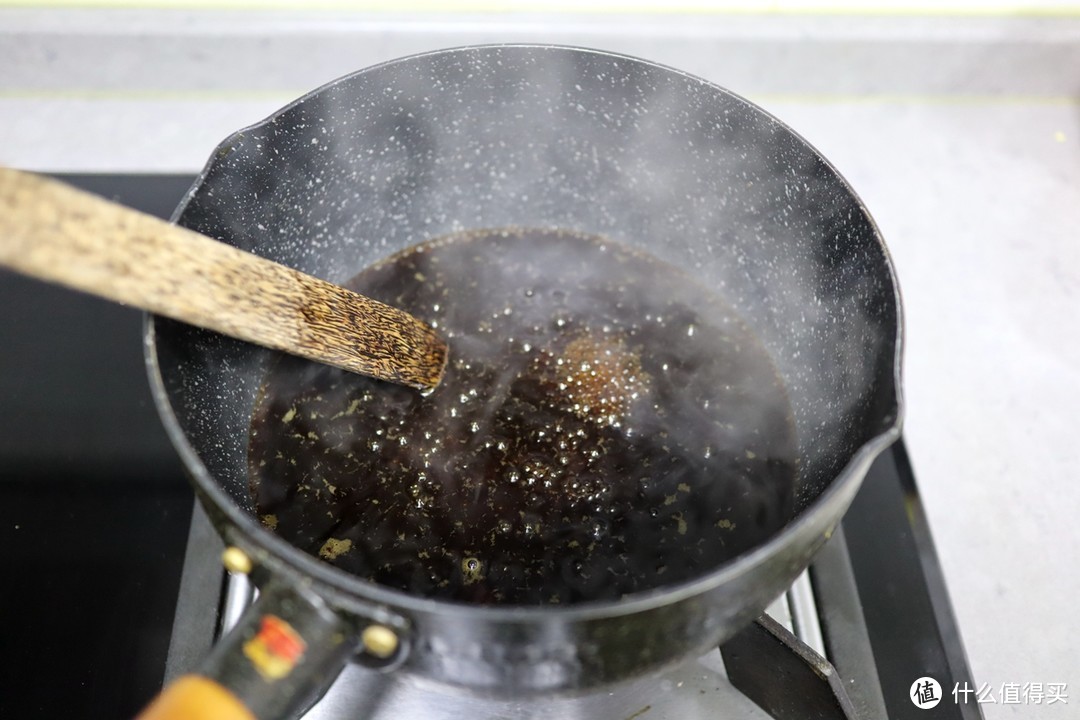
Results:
51 231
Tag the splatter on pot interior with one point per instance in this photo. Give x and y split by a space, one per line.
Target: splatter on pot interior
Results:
674 332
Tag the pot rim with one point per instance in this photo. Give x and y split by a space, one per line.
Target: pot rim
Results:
365 590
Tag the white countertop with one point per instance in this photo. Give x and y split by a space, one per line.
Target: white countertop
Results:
980 205
961 135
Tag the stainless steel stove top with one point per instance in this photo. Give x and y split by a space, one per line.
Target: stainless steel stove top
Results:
873 604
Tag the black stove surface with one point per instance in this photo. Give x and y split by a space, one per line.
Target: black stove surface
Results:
94 504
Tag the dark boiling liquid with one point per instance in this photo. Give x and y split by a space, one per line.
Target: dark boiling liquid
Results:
605 426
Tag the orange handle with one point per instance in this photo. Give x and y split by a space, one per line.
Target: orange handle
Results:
193 697
282 654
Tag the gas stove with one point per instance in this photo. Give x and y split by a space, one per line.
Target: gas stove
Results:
958 129
848 640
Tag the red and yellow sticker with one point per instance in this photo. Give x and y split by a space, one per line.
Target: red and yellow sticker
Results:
275 649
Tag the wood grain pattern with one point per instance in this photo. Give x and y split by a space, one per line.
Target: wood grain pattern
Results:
54 232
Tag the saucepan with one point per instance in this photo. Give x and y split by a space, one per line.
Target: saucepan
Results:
648 158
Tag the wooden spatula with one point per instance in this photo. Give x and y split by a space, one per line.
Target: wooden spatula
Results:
51 231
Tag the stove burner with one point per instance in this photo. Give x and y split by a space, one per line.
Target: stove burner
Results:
874 603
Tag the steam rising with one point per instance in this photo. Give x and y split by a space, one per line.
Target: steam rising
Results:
599 144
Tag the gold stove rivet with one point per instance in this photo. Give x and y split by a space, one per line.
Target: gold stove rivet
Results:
236 560
380 641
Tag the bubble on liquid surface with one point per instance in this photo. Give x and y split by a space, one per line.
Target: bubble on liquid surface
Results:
628 437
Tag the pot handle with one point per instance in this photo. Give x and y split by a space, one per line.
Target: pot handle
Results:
196 698
280 657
